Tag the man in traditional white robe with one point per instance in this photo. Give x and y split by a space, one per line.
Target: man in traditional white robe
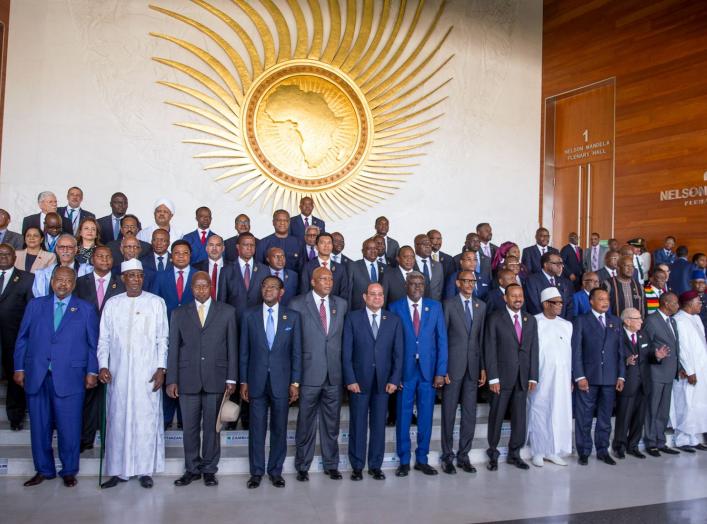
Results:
132 357
550 405
689 406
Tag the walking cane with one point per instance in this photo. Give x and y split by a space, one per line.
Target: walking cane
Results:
103 434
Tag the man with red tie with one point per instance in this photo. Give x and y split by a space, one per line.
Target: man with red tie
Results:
572 255
199 237
214 266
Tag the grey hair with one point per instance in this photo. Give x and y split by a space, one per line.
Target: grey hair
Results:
45 194
67 235
629 311
414 274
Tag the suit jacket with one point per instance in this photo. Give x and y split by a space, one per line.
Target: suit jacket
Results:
535 284
465 348
338 271
114 246
495 301
106 225
14 239
202 358
580 303
297 225
291 245
148 261
481 291
435 287
198 251
13 302
165 286
282 363
291 281
447 262
506 359
71 349
680 273
33 221
483 262
587 257
661 257
573 265
658 333
235 292
603 275
431 342
321 352
638 376
221 284
82 214
86 289
359 279
531 258
372 362
596 351
391 250
393 285
44 259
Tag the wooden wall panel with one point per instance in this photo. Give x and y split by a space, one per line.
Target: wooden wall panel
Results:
4 25
657 51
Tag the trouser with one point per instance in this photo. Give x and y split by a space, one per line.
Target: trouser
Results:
367 410
460 391
47 411
630 417
515 397
93 407
202 444
15 402
416 392
657 414
278 407
687 439
600 398
323 403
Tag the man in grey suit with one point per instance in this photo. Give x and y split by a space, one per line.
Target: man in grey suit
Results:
391 245
662 333
322 315
7 236
465 318
362 273
202 365
593 256
432 271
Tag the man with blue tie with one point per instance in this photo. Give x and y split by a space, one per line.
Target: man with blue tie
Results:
159 259
598 370
270 374
290 280
197 238
55 361
580 301
362 273
72 210
291 245
372 365
430 269
111 224
532 254
424 369
300 223
665 255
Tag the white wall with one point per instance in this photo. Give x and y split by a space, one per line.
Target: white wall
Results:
82 108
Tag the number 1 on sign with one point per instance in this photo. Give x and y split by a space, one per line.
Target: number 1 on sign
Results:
586 135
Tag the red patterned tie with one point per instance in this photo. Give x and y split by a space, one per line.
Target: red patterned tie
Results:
203 238
214 280
246 276
323 264
322 316
416 320
576 252
180 285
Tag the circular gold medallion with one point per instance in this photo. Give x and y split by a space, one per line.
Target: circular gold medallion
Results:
307 125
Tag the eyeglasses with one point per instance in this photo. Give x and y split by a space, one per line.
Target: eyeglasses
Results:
467 280
634 318
556 302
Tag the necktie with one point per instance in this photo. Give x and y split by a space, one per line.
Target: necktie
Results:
425 270
306 223
595 258
601 321
71 217
374 326
324 264
277 274
542 250
214 281
633 339
203 238
519 329
51 242
270 329
100 292
670 325
640 268
487 250
160 263
416 319
180 286
374 273
477 270
202 314
322 316
116 228
58 314
311 253
2 282
246 276
552 281
576 252
467 316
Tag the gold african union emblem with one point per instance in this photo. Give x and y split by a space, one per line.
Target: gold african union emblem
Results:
339 116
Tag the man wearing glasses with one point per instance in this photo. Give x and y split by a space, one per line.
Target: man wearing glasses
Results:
549 276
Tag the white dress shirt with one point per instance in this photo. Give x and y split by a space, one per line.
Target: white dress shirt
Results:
219 264
420 265
106 279
540 248
324 263
8 276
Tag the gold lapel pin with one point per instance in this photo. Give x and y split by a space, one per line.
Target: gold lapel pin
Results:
333 311
255 269
284 317
384 317
296 255
16 279
114 285
333 267
476 305
525 319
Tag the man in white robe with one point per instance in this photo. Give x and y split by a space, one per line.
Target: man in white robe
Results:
132 357
163 212
550 405
689 406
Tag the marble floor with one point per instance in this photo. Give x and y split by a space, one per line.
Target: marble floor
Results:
507 494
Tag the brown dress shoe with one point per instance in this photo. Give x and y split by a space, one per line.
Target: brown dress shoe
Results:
70 481
36 480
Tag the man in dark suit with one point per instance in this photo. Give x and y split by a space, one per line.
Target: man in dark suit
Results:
55 361
242 225
202 366
129 227
300 223
52 231
197 239
46 200
532 254
431 270
424 369
341 278
337 252
243 278
598 370
15 294
372 365
362 273
483 263
465 318
290 280
665 255
467 262
571 255
96 288
610 268
380 252
662 332
130 248
391 245
110 224
511 354
593 256
485 234
394 284
440 256
215 266
7 236
271 371
549 275
680 270
496 299
322 315
580 300
72 210
631 402
291 245
159 258
309 245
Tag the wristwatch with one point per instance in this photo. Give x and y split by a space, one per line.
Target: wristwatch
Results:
295 384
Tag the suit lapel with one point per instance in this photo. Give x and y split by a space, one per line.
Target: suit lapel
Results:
281 324
210 315
14 279
314 311
70 309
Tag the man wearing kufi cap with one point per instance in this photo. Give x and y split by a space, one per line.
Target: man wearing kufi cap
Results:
698 283
132 357
163 211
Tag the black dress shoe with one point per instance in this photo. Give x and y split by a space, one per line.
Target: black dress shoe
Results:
687 449
636 453
467 467
85 446
517 462
17 426
583 460
180 425
112 482
701 447
390 423
302 476
277 481
492 465
36 480
425 468
403 470
210 479
449 468
619 454
187 479
146 481
254 481
413 421
606 459
653 452
70 481
669 451
377 474
356 475
334 474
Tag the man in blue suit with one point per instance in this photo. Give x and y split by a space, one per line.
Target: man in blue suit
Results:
270 373
55 360
372 365
244 276
467 262
197 239
531 254
549 275
665 255
281 237
572 256
300 223
424 369
580 302
276 265
680 271
598 370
